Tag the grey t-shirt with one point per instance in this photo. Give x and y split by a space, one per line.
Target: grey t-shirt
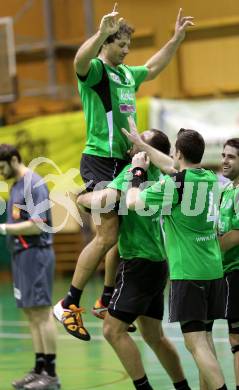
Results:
26 194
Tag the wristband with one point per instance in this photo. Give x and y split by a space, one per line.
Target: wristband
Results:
139 176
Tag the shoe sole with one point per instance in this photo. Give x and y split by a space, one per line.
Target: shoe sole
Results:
77 335
98 314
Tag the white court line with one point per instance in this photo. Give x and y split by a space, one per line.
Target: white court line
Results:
99 324
26 324
94 338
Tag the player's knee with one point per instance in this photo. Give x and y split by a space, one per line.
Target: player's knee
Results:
191 343
35 318
191 347
109 332
41 315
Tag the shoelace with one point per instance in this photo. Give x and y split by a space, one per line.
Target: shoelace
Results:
77 311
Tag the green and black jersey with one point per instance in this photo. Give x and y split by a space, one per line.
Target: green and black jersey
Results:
108 98
229 220
189 202
139 236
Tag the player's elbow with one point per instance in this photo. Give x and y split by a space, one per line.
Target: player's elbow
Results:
150 76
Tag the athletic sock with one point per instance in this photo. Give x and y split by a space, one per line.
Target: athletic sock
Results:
183 385
106 295
39 362
72 298
50 365
224 387
142 384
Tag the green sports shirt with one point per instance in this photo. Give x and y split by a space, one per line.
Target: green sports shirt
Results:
108 98
189 202
139 236
229 220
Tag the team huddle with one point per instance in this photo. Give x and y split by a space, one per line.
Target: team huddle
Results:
156 217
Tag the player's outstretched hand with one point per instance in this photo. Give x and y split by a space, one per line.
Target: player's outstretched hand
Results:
110 23
181 25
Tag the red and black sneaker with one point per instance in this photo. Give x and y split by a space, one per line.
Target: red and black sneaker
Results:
99 311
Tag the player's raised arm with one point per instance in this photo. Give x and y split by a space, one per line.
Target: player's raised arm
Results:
161 59
159 159
109 25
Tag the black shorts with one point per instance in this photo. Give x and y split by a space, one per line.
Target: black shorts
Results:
33 273
196 300
232 295
139 289
95 170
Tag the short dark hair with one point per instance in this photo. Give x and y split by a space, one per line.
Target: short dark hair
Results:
233 142
124 29
7 152
160 141
191 144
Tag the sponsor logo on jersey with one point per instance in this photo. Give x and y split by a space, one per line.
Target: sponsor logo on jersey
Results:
126 95
127 108
115 78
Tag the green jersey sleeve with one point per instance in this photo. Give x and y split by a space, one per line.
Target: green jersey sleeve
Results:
229 210
229 220
94 74
139 73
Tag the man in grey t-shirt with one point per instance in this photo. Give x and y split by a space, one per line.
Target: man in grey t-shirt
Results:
32 264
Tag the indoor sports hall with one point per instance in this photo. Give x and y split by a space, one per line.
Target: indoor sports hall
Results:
70 79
